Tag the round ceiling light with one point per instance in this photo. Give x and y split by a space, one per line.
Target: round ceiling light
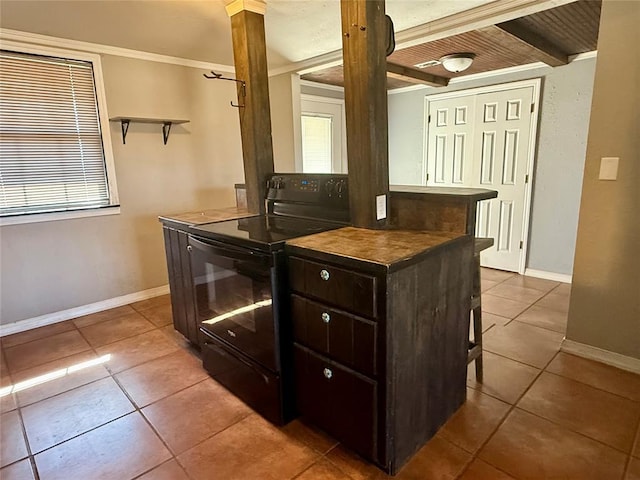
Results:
457 62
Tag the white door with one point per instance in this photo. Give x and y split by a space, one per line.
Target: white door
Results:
450 142
490 148
503 121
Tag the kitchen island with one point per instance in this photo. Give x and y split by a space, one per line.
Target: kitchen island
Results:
380 328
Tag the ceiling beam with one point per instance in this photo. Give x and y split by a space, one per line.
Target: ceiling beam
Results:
527 42
414 75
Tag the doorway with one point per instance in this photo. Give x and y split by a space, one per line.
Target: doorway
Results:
323 134
485 138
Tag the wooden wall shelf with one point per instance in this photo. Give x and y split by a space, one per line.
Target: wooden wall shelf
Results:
165 122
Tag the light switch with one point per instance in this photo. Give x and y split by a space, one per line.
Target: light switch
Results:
608 168
381 207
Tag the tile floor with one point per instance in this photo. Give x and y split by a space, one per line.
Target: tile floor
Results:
151 412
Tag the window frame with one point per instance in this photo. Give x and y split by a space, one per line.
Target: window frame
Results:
114 206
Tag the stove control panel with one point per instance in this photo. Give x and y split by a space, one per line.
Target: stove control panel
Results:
325 189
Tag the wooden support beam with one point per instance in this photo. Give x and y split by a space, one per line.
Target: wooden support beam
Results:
364 38
250 57
517 38
414 75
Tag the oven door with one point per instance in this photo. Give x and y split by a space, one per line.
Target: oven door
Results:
234 296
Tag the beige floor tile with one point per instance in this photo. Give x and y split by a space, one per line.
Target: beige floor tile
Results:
58 376
612 419
194 414
542 317
633 471
252 448
170 470
495 275
154 302
502 306
18 471
115 329
532 448
479 470
12 444
355 466
323 470
136 350
175 336
8 400
309 435
489 320
36 334
161 377
38 352
532 282
475 421
503 378
562 289
64 416
98 317
523 343
516 292
555 301
596 374
160 315
487 284
437 459
122 449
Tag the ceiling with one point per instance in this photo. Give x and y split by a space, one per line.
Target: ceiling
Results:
549 36
295 30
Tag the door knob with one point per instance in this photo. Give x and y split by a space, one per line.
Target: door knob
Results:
324 274
327 373
326 318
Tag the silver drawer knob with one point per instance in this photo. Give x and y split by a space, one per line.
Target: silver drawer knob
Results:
189 248
328 373
326 318
324 274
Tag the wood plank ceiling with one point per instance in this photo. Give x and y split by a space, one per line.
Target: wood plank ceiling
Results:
549 36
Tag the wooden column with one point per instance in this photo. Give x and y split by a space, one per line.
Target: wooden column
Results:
250 57
365 92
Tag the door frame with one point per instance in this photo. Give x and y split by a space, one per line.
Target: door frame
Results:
343 132
534 83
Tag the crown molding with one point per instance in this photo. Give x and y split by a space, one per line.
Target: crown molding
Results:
237 6
45 40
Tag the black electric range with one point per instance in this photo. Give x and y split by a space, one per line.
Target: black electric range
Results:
239 272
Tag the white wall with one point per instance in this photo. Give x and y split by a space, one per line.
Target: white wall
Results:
562 135
53 266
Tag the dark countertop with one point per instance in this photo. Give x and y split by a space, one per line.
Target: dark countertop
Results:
444 193
207 216
383 247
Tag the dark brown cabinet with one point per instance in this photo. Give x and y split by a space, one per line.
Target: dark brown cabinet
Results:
380 351
180 283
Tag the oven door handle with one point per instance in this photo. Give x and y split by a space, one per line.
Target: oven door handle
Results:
214 248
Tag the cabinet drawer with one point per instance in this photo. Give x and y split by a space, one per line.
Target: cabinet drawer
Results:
338 400
349 290
346 338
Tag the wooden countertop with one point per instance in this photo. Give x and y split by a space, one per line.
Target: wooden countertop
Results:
383 247
208 216
445 193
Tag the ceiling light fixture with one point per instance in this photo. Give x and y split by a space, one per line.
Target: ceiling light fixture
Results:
457 62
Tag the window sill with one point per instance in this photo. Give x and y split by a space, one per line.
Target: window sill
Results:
52 216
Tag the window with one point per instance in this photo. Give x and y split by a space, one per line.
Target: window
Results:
316 144
323 135
52 153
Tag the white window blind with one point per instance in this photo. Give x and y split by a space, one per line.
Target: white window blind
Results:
51 152
317 144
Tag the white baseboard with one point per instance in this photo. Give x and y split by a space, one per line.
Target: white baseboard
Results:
604 356
61 316
557 277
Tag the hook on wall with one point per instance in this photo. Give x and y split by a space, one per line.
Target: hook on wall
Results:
243 85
